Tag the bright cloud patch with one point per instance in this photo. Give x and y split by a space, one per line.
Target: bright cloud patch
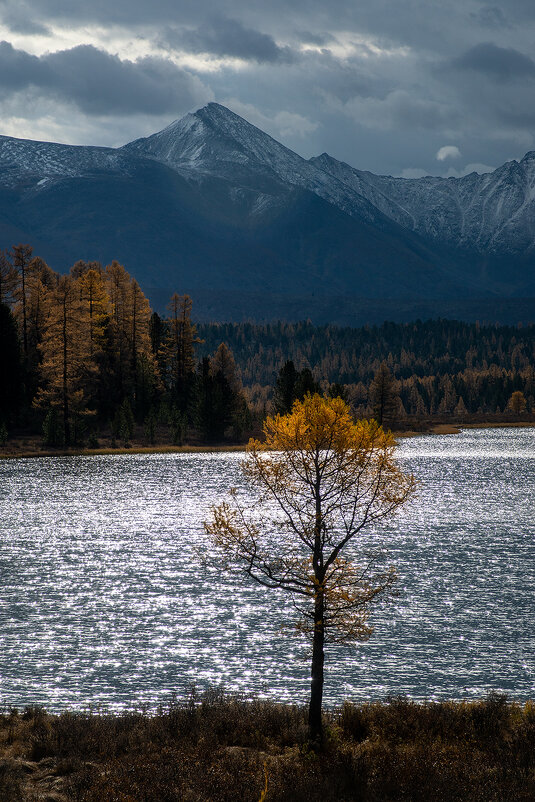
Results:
448 152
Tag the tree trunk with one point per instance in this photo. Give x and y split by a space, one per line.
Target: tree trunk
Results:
315 726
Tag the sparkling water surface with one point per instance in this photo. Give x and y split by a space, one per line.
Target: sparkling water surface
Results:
107 598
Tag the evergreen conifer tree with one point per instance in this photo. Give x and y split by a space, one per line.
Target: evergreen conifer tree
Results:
384 397
11 376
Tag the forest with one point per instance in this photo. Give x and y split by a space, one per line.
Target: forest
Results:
443 368
83 355
85 361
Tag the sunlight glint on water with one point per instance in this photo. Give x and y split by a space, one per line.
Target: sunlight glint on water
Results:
104 599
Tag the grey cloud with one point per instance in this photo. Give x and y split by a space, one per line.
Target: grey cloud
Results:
318 38
19 20
221 36
19 69
120 11
380 17
493 90
383 79
490 17
99 83
401 110
102 83
498 63
157 12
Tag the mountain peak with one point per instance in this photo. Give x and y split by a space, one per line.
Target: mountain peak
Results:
211 113
211 137
479 212
217 111
243 211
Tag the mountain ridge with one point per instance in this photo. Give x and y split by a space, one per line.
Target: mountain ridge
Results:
213 202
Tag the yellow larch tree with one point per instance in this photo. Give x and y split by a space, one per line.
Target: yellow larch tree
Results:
21 256
40 280
117 282
178 348
96 303
142 361
517 403
129 330
319 479
8 279
66 362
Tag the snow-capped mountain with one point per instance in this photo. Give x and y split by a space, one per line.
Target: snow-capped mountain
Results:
215 141
494 212
214 206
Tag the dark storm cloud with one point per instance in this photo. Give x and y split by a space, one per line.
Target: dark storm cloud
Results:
99 83
20 22
382 84
129 12
493 88
119 11
498 63
18 69
221 36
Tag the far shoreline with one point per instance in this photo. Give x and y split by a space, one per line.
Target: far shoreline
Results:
107 451
35 451
456 428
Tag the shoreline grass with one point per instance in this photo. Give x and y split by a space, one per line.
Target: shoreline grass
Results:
28 453
27 448
220 748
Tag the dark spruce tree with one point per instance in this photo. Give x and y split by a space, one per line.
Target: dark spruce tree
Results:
11 376
384 398
292 385
306 384
285 392
176 355
157 332
338 390
214 403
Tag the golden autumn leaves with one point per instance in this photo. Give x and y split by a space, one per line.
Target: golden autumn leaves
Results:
320 479
323 477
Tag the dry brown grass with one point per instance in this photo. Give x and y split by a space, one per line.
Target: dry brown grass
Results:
28 448
222 749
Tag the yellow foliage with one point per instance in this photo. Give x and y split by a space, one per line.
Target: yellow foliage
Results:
322 478
317 424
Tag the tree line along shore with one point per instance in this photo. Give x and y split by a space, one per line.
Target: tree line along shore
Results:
86 364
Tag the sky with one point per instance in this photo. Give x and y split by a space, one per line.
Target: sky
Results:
399 87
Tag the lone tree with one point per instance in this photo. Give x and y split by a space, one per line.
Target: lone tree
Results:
327 478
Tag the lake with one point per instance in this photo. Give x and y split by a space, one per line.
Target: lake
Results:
108 597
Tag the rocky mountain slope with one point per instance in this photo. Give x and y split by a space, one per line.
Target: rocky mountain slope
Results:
493 213
215 207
